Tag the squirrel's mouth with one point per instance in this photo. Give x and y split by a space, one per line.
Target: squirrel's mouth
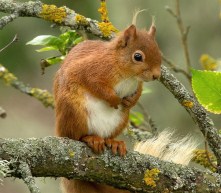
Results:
146 76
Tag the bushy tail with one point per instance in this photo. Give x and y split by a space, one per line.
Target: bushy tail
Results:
166 148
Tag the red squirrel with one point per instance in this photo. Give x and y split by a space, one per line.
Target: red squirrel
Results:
95 88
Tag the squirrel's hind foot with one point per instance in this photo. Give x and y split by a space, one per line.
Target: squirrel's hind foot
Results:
96 143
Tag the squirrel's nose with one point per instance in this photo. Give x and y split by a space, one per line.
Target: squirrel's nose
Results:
156 75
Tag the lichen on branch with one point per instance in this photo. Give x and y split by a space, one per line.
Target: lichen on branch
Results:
105 25
11 80
59 15
63 157
53 13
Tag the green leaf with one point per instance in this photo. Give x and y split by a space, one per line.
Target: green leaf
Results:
54 60
207 88
136 117
78 40
49 48
45 40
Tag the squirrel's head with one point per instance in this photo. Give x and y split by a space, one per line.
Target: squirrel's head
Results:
139 54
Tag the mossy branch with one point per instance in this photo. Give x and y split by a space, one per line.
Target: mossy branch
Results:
196 111
61 157
27 177
42 95
62 16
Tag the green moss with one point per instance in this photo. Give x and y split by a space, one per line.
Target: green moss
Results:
53 13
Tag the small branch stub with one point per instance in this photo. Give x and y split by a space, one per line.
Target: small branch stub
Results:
28 178
2 113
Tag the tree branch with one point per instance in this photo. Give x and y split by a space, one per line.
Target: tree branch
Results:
42 95
14 40
196 111
62 157
183 31
28 178
175 68
59 15
7 19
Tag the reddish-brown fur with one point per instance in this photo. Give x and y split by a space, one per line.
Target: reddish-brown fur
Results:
95 68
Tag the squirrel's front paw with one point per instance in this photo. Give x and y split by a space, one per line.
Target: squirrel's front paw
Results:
96 143
115 102
129 101
116 146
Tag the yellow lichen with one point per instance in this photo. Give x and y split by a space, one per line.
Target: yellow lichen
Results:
81 19
43 95
53 13
106 28
151 176
6 75
103 11
188 104
205 158
208 63
71 153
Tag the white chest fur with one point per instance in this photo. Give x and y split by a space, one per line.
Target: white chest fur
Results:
126 87
103 119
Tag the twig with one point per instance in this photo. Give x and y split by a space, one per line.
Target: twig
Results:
183 31
175 68
148 122
28 178
42 95
14 40
4 169
207 155
7 19
196 111
2 113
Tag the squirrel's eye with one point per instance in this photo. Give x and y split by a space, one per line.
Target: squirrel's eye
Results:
138 57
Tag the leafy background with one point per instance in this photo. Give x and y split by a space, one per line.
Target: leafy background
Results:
29 118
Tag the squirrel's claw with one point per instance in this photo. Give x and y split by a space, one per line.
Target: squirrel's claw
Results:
116 146
96 143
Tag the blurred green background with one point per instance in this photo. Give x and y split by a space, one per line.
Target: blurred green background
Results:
27 117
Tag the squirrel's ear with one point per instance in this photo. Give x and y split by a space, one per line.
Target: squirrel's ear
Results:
128 35
152 30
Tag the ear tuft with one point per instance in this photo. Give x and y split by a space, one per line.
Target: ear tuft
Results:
128 35
152 30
